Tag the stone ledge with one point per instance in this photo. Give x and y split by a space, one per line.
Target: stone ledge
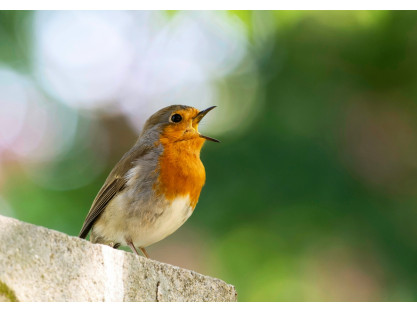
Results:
39 264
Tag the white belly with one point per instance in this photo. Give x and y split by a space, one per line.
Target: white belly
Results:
145 227
174 215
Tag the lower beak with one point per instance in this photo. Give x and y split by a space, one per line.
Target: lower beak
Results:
199 117
209 138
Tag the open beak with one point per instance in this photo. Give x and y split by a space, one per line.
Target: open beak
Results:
199 117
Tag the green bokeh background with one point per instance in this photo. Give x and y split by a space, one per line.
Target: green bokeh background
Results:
315 198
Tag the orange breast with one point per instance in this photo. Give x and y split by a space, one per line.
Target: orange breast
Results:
181 170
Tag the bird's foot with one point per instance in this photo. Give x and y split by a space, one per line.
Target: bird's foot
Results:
114 245
133 248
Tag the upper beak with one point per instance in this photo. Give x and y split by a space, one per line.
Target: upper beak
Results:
199 117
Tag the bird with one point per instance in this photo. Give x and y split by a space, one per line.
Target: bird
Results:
155 186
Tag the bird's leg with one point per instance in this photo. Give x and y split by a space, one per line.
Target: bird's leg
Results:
132 247
144 252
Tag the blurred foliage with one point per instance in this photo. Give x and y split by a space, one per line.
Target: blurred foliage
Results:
316 199
290 187
15 38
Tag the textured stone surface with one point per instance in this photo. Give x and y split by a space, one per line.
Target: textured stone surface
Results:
39 264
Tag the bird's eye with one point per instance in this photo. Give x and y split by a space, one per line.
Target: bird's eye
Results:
176 118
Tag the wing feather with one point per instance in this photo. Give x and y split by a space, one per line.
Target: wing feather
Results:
114 184
103 198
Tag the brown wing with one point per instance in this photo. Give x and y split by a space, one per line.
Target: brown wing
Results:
106 193
114 183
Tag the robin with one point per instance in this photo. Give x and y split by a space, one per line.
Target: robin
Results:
155 187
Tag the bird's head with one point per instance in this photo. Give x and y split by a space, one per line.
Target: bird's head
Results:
176 124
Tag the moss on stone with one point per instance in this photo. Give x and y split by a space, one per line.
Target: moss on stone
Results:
7 294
